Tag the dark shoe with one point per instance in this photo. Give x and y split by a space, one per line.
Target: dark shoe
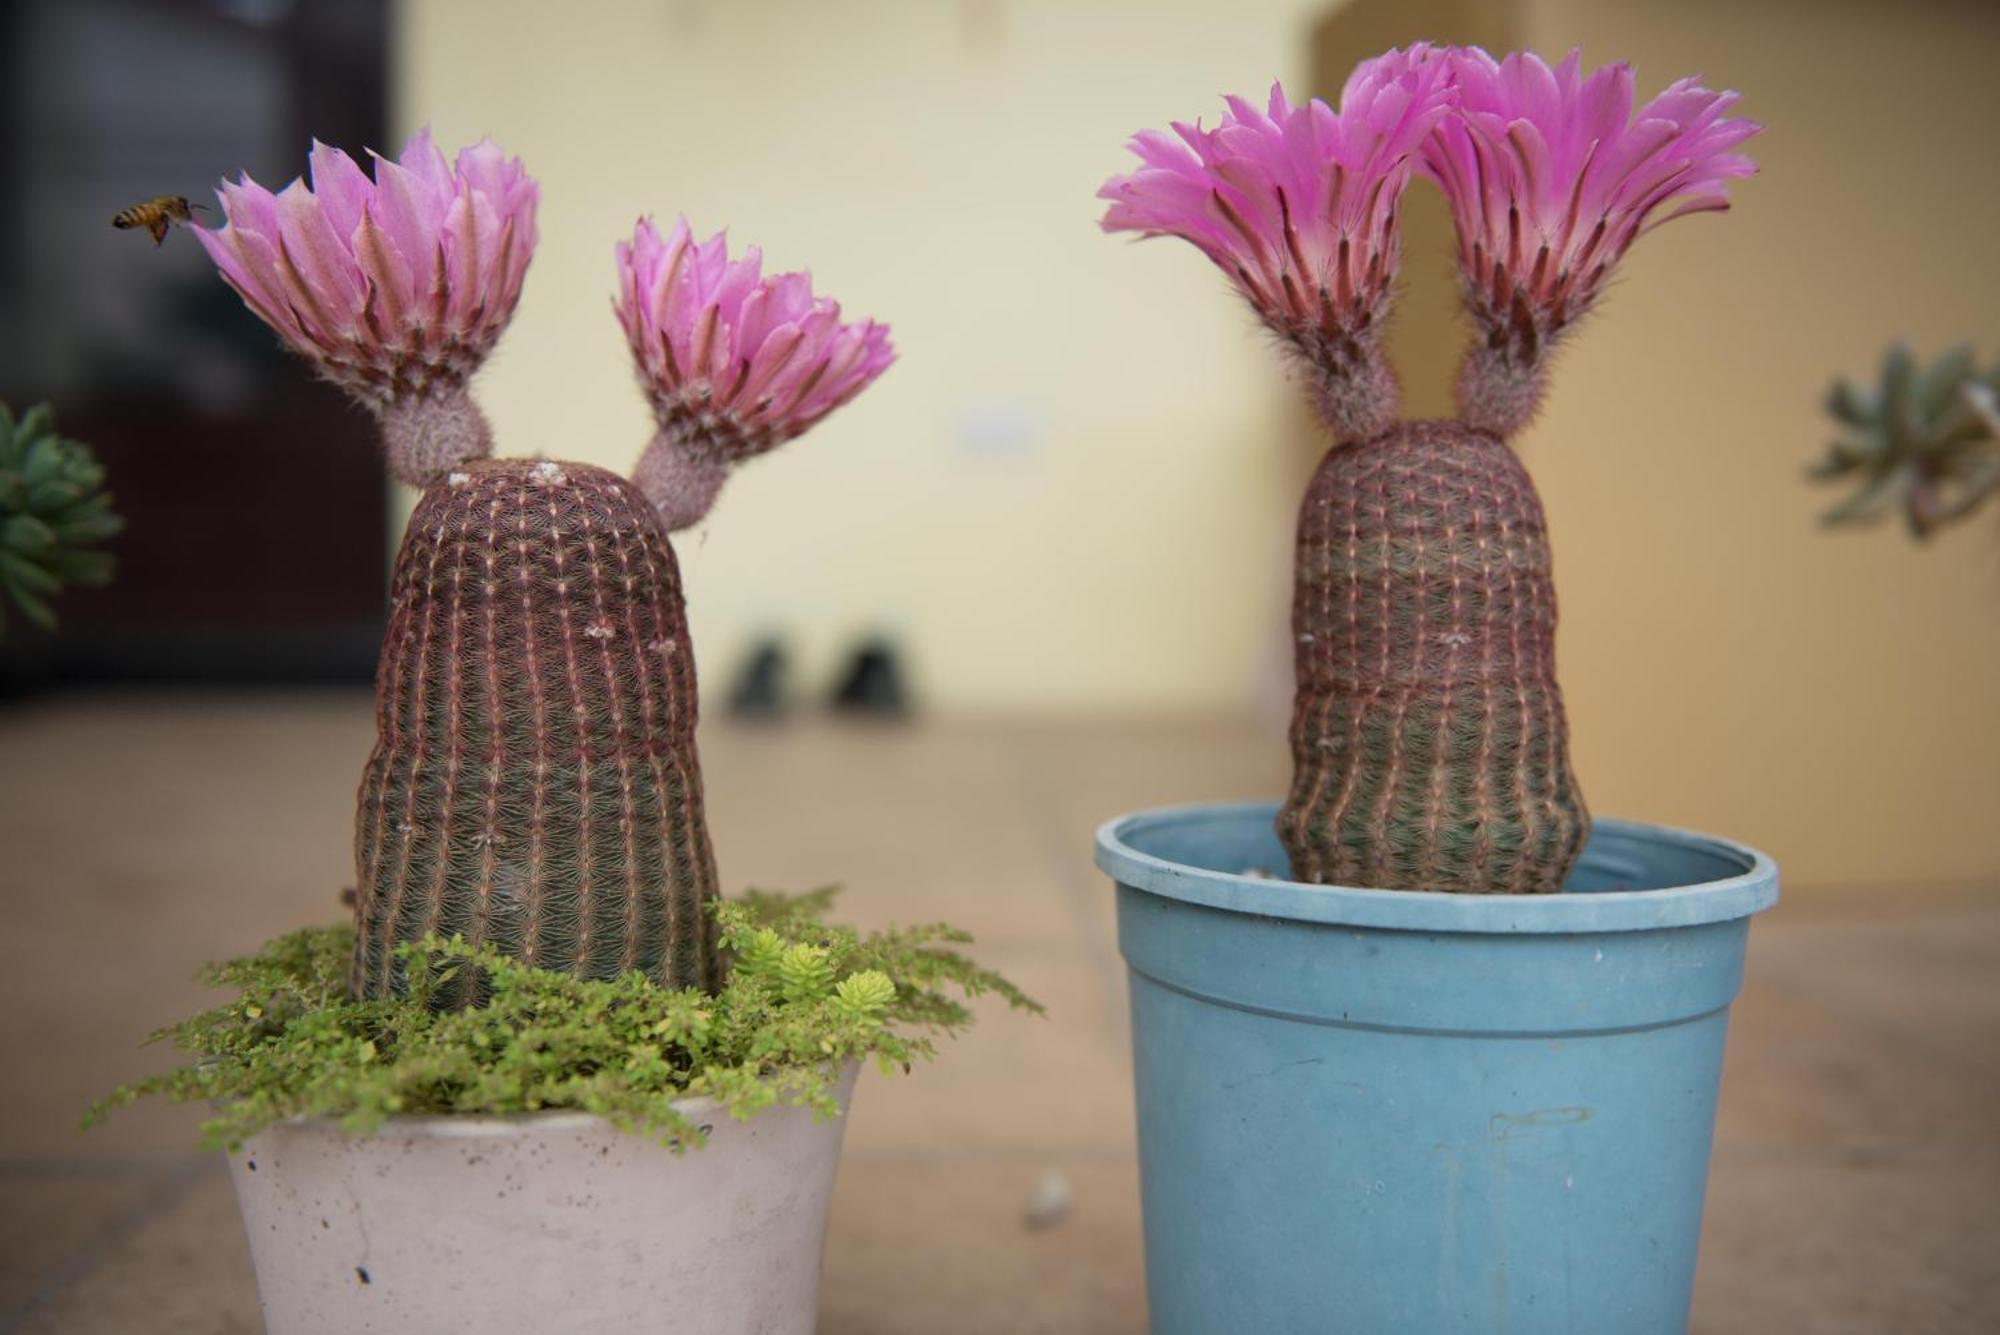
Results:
873 683
759 692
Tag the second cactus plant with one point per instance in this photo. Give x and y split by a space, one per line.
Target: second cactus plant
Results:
1429 1080
1429 745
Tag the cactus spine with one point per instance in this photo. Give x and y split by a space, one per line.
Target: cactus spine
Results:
1429 745
534 784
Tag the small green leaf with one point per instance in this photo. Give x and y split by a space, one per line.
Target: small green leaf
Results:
83 569
18 570
87 528
38 422
37 611
1937 384
27 535
1846 402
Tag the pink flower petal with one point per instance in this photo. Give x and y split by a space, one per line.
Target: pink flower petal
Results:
411 213
422 159
391 295
316 251
341 187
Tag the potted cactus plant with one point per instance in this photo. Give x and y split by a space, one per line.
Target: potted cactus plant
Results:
446 1116
1419 1049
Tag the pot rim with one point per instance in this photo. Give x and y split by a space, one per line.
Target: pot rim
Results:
446 1126
1614 845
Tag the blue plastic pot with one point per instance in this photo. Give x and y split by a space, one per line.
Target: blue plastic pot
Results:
1386 1113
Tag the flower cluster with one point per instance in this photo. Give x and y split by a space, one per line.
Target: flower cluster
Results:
1550 178
395 288
735 361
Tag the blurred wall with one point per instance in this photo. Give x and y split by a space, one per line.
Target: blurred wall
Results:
1730 665
1067 492
1074 492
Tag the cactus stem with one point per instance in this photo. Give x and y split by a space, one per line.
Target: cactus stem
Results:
680 480
1499 391
427 434
538 731
1429 743
535 785
1357 397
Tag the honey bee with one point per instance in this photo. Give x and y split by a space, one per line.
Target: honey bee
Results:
155 215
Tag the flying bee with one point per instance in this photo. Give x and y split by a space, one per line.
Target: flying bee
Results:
156 215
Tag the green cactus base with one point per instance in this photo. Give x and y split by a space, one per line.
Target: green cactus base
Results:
1429 745
534 785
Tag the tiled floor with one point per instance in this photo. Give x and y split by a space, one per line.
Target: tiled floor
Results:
1857 1174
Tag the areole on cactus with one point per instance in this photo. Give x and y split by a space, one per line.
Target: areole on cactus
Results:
1429 741
534 786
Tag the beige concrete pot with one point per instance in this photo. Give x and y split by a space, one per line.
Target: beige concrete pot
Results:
541 1223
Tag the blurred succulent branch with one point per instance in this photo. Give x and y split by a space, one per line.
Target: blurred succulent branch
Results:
1923 439
53 513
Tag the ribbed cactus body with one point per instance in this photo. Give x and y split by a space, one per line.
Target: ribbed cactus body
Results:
534 783
1429 745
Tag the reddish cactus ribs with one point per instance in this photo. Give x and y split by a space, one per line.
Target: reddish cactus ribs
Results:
1429 746
534 784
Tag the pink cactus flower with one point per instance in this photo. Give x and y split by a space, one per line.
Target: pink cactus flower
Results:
1551 178
396 289
1297 204
735 362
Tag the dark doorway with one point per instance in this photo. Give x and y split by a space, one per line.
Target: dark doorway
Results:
254 495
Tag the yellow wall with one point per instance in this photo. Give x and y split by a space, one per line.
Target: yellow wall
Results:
1729 664
933 164
1122 546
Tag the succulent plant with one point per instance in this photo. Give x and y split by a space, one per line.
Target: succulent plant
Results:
735 363
54 512
1923 439
1429 743
534 785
